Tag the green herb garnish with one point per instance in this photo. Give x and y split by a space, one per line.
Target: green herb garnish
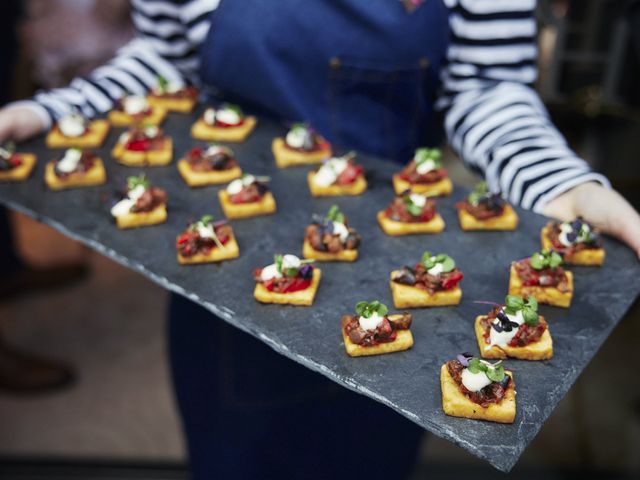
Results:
233 107
545 259
428 154
494 372
7 149
140 180
479 191
367 309
412 208
515 303
335 215
429 261
163 83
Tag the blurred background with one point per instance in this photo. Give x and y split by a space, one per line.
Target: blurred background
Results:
111 415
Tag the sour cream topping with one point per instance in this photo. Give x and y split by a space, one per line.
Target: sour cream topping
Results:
426 166
72 125
437 269
70 161
566 228
271 271
502 339
296 137
341 230
124 206
134 104
418 200
224 115
238 184
370 323
206 231
474 382
215 149
330 170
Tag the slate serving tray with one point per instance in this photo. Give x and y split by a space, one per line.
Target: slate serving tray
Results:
407 381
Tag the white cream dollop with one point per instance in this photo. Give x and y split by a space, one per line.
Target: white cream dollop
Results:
502 339
134 104
269 272
209 116
295 137
370 323
565 229
151 131
426 166
436 269
328 173
341 230
418 200
238 184
71 125
228 116
206 231
474 382
124 206
70 161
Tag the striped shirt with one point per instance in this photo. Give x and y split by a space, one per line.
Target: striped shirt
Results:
494 120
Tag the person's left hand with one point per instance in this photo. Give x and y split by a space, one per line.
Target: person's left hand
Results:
602 207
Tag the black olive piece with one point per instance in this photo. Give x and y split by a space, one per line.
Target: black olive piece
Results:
405 277
505 381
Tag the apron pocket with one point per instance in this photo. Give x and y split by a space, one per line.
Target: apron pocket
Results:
377 107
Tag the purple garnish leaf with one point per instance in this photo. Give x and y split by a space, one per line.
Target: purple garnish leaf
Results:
487 302
463 360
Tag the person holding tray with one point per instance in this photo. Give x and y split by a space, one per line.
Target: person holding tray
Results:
364 75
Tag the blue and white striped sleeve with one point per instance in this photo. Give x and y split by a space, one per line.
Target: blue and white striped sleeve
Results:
168 34
494 119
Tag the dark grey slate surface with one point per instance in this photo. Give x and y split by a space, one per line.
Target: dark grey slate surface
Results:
408 381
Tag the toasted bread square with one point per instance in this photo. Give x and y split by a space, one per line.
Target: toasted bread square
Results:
507 221
343 256
181 105
393 228
403 341
201 131
587 257
200 179
456 404
228 251
301 297
152 158
406 296
143 219
356 188
286 157
266 206
548 295
95 176
22 171
121 119
540 350
440 188
98 130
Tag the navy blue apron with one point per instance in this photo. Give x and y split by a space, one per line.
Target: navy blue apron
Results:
364 73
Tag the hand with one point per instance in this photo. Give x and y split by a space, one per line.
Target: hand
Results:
19 123
603 208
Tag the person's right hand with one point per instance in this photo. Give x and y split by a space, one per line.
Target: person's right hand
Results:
19 123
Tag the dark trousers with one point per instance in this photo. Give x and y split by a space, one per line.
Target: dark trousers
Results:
250 413
9 261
